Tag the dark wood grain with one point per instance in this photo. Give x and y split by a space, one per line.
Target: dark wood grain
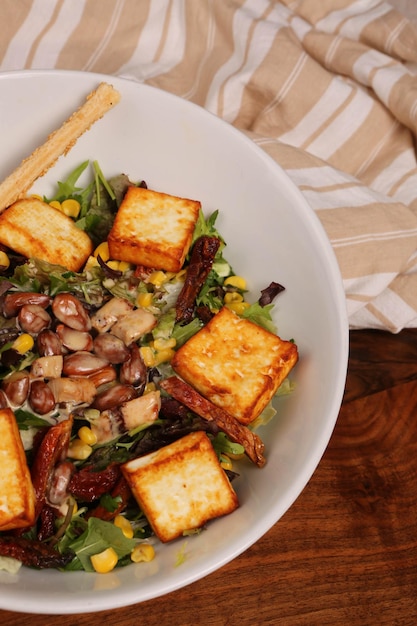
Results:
346 551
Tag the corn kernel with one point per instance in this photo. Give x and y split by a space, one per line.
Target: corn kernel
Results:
143 552
163 344
55 204
23 343
144 299
238 307
36 196
147 355
235 281
163 356
124 266
125 526
105 561
149 387
71 207
180 276
114 265
157 278
226 462
232 296
87 436
102 250
78 450
91 262
4 259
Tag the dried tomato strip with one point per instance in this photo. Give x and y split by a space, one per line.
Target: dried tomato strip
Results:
88 485
52 448
239 433
201 262
121 491
33 553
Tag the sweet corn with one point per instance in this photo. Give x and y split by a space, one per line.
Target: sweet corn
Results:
226 462
163 344
235 281
147 355
105 561
232 296
4 259
55 204
71 207
124 266
86 435
144 299
91 262
163 356
180 276
23 343
78 450
114 265
143 552
125 526
157 278
149 387
238 307
102 250
36 196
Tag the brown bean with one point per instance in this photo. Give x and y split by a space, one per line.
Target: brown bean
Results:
70 311
110 347
33 318
114 396
82 363
41 399
58 490
74 340
3 400
13 302
133 371
48 343
16 387
104 376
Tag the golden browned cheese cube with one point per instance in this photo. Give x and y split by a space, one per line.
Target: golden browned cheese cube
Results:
33 228
235 364
181 486
17 497
153 229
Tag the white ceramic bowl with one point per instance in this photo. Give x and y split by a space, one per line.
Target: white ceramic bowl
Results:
272 234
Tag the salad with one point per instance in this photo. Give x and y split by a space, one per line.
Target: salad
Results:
76 430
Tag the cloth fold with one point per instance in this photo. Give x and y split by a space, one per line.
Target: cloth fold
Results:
328 88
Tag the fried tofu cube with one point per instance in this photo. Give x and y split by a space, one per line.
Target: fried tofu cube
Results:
17 497
153 229
235 364
181 486
33 228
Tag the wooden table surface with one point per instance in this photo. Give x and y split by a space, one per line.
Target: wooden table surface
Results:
346 551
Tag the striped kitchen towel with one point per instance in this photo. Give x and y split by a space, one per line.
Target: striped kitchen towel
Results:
327 87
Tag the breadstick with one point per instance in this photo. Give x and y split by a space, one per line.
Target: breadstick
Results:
59 142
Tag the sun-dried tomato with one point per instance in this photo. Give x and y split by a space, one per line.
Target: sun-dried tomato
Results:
201 262
121 493
33 553
52 449
87 485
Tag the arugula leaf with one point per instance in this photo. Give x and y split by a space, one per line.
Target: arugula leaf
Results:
223 445
98 536
26 420
260 315
110 503
68 188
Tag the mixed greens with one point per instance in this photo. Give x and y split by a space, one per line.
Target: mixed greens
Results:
83 525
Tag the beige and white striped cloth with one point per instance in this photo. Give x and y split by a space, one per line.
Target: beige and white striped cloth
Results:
327 87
